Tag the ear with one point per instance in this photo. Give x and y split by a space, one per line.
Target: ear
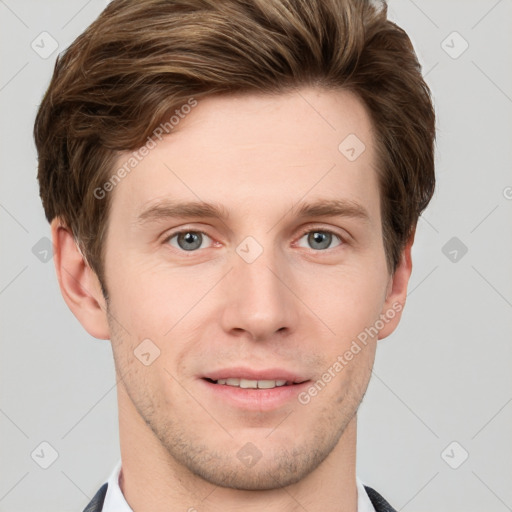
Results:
396 293
79 284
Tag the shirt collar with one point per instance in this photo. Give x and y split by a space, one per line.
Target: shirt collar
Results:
114 499
363 500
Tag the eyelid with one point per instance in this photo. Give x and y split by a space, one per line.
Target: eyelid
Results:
179 231
309 229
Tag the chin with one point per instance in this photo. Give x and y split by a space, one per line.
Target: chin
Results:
264 476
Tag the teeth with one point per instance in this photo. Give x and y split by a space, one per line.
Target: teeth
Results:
252 384
246 383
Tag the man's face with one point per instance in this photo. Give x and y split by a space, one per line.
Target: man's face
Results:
263 293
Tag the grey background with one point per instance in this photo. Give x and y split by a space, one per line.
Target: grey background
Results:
444 376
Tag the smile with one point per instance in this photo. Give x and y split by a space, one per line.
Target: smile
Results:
252 384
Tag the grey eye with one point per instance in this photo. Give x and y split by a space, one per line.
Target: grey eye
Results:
188 240
320 240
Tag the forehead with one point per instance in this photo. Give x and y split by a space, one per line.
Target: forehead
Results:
259 150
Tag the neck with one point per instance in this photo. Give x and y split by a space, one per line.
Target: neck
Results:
151 480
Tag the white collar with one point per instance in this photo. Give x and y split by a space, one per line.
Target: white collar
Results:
114 499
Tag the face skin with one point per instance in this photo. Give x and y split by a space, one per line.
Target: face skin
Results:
223 307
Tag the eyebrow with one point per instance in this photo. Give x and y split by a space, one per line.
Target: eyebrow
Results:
166 209
334 208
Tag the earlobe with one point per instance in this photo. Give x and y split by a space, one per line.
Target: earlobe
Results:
79 284
397 292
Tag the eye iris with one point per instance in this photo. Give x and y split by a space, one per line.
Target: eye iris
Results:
189 241
321 238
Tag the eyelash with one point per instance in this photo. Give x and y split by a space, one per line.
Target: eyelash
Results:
328 231
341 239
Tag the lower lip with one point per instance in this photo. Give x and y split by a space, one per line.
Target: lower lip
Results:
256 399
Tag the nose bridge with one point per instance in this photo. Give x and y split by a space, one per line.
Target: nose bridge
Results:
258 301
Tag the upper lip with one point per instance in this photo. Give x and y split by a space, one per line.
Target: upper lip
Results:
255 374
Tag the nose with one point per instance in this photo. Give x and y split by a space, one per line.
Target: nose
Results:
258 298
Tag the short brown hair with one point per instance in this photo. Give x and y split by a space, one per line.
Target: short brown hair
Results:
140 60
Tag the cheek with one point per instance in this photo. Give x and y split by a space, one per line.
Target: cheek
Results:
347 300
154 298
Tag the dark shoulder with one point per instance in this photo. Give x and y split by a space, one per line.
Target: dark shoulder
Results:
378 502
96 503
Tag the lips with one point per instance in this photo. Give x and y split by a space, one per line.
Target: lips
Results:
247 378
252 383
258 390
